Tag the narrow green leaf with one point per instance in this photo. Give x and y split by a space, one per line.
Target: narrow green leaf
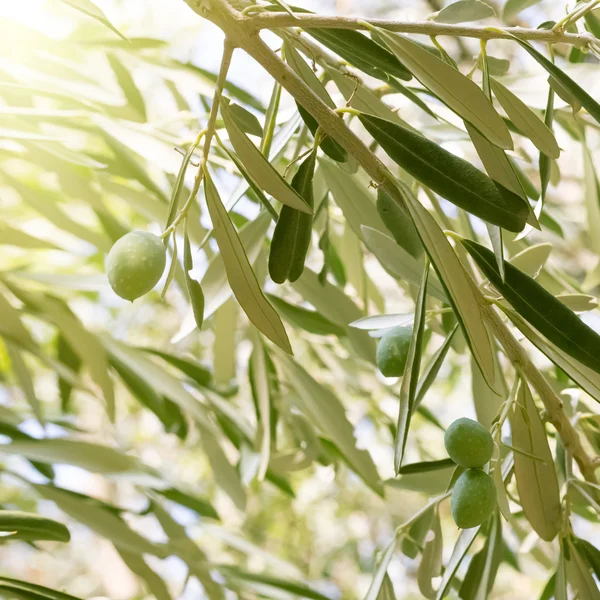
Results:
431 560
127 84
487 402
11 325
513 7
587 101
460 288
397 262
479 580
408 389
579 576
540 308
23 377
386 591
337 307
298 64
87 7
17 525
465 539
536 480
381 571
245 120
292 235
262 398
588 379
464 11
193 287
448 175
242 279
399 224
155 584
92 457
225 474
100 520
179 184
259 167
214 282
21 590
182 546
526 120
323 408
244 579
532 260
10 236
433 367
308 320
592 199
361 52
199 505
578 303
351 195
461 94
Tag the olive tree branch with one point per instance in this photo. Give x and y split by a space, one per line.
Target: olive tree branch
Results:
274 20
247 38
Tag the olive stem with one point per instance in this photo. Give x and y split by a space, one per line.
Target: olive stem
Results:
272 20
207 134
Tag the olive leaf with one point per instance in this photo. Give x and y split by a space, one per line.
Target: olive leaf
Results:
448 175
242 279
259 167
540 308
461 94
536 479
292 235
526 120
410 379
458 285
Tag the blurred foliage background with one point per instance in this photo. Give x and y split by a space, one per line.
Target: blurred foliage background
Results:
89 131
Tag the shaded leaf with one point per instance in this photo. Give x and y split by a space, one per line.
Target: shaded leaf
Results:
540 308
448 175
292 235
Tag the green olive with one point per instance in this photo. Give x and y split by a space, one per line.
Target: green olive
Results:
392 351
135 264
473 498
469 444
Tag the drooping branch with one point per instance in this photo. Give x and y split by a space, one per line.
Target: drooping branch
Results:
235 27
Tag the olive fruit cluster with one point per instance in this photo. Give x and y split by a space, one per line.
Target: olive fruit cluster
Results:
470 445
135 264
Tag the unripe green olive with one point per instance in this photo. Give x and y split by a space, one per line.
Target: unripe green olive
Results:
469 444
473 498
392 351
135 264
